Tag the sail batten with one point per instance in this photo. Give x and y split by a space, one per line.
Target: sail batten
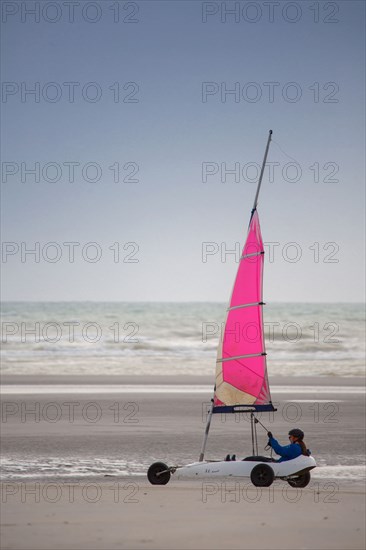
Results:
239 357
241 369
251 255
245 305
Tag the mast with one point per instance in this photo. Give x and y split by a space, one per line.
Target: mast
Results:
262 171
211 411
202 454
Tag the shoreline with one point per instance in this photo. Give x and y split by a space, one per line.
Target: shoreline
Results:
65 379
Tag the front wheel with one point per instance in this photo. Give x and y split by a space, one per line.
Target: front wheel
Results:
262 475
300 481
155 476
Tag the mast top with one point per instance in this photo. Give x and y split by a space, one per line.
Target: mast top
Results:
262 170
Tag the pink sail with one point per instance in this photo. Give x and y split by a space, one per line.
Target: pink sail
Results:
241 371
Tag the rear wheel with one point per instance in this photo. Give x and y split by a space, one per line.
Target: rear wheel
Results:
262 475
300 481
155 476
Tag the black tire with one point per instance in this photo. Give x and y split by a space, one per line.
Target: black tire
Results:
155 469
300 481
262 475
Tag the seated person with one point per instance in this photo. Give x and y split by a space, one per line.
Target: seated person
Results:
296 448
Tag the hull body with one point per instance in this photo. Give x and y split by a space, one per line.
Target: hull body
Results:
243 468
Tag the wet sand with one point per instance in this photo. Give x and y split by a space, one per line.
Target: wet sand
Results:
127 428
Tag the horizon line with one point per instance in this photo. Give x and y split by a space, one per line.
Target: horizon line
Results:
172 302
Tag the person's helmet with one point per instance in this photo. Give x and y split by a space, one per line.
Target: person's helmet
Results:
296 433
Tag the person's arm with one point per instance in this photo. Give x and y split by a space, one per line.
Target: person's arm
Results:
286 451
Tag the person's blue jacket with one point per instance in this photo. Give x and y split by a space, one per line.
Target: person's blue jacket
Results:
287 452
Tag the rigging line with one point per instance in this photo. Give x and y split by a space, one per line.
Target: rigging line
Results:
259 422
284 152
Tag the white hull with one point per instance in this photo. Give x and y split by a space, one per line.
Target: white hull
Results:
242 468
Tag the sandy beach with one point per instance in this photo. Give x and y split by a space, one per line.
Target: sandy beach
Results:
76 450
180 516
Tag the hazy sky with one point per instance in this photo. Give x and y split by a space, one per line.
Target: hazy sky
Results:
145 86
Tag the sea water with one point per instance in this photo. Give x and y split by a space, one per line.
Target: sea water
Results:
95 338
